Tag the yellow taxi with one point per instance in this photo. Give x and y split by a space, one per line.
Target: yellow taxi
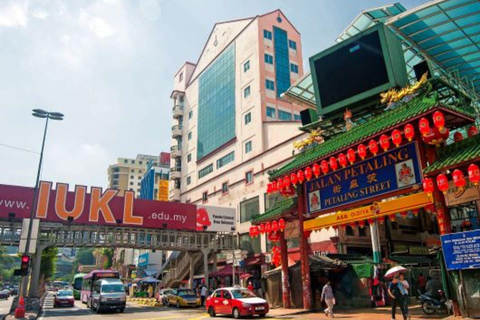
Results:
183 298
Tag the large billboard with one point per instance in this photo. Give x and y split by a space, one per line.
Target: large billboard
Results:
99 207
217 219
382 174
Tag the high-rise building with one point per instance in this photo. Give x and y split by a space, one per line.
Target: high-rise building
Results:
154 185
230 124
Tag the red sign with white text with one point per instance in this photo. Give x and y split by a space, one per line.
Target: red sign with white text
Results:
97 207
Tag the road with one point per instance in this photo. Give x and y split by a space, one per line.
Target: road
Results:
5 306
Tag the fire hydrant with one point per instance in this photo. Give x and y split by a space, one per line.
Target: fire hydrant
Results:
20 310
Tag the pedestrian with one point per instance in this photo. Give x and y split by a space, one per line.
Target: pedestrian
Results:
395 293
329 298
422 283
404 287
203 295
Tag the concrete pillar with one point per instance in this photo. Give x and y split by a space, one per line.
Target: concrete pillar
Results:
192 271
305 267
206 252
35 278
214 269
377 251
285 280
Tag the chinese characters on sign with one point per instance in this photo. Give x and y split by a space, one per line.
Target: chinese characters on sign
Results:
388 172
462 250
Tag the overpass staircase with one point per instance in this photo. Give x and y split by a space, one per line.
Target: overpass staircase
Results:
174 277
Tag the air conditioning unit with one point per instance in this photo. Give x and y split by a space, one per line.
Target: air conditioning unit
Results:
268 258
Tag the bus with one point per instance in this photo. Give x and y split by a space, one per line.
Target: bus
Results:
89 280
77 284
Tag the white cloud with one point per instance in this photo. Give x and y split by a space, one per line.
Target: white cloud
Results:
97 26
14 14
39 14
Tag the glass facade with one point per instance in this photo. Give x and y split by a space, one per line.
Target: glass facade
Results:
282 63
249 244
225 159
284 115
248 208
216 104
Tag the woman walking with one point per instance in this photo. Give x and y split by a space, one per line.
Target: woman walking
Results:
329 298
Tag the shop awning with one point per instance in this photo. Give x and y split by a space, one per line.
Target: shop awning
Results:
407 112
320 262
455 155
281 208
226 271
291 263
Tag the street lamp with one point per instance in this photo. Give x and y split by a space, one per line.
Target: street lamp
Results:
39 113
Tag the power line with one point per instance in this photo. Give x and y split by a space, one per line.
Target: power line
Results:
17 148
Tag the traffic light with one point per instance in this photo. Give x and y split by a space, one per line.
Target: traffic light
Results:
25 264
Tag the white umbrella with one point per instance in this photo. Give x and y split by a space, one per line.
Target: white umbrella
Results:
395 271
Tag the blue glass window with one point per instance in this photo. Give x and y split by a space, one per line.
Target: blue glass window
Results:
292 44
248 146
268 58
246 66
248 118
270 84
216 104
246 92
282 63
297 117
284 116
270 112
267 34
225 159
293 68
203 172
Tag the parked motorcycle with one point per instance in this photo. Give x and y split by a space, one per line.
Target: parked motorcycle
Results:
430 305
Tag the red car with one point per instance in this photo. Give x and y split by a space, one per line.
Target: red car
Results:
64 298
236 301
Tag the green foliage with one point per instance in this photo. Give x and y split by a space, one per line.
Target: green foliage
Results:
84 256
7 265
49 258
108 253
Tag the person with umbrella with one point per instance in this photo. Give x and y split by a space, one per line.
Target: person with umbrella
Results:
395 292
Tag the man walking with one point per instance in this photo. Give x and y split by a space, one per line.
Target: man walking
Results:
329 298
395 293
203 295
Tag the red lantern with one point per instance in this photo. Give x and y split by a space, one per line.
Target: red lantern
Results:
415 212
458 136
273 236
300 176
293 179
430 208
409 132
250 231
274 226
308 173
280 184
362 151
324 165
424 126
372 145
352 225
274 187
371 221
286 181
442 183
351 155
261 228
361 223
428 186
316 169
381 220
268 227
342 159
459 178
392 217
404 214
439 120
255 231
396 137
333 163
281 224
343 227
384 142
472 131
269 188
474 174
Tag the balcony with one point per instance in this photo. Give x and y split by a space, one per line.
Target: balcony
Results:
177 131
175 173
177 111
176 151
174 195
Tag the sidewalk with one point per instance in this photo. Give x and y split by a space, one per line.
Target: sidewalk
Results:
28 316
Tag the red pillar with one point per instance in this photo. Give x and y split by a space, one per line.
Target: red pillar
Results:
285 281
306 283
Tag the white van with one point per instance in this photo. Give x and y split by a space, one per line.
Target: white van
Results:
108 294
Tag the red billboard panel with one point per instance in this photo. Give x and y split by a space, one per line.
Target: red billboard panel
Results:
97 207
165 158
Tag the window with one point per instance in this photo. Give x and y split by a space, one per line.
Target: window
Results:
180 77
227 295
189 180
249 177
248 208
246 92
133 161
248 146
297 117
267 34
203 172
225 187
225 159
125 161
270 84
190 114
268 58
271 199
131 177
249 244
292 44
140 162
190 136
248 118
189 157
140 177
349 231
271 112
131 183
205 196
284 115
362 232
282 62
293 68
246 66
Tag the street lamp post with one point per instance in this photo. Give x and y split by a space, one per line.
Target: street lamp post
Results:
39 113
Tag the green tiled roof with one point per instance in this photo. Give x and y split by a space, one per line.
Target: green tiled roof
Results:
277 211
455 154
385 121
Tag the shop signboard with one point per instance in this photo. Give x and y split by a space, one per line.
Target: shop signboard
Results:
385 173
217 219
162 190
457 195
143 260
461 250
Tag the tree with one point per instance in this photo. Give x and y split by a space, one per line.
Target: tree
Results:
7 264
108 254
84 256
49 259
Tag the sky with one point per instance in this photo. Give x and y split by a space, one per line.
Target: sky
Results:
108 65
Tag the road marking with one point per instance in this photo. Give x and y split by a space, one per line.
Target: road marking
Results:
161 318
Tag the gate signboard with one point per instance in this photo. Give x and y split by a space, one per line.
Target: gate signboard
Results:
462 250
382 174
